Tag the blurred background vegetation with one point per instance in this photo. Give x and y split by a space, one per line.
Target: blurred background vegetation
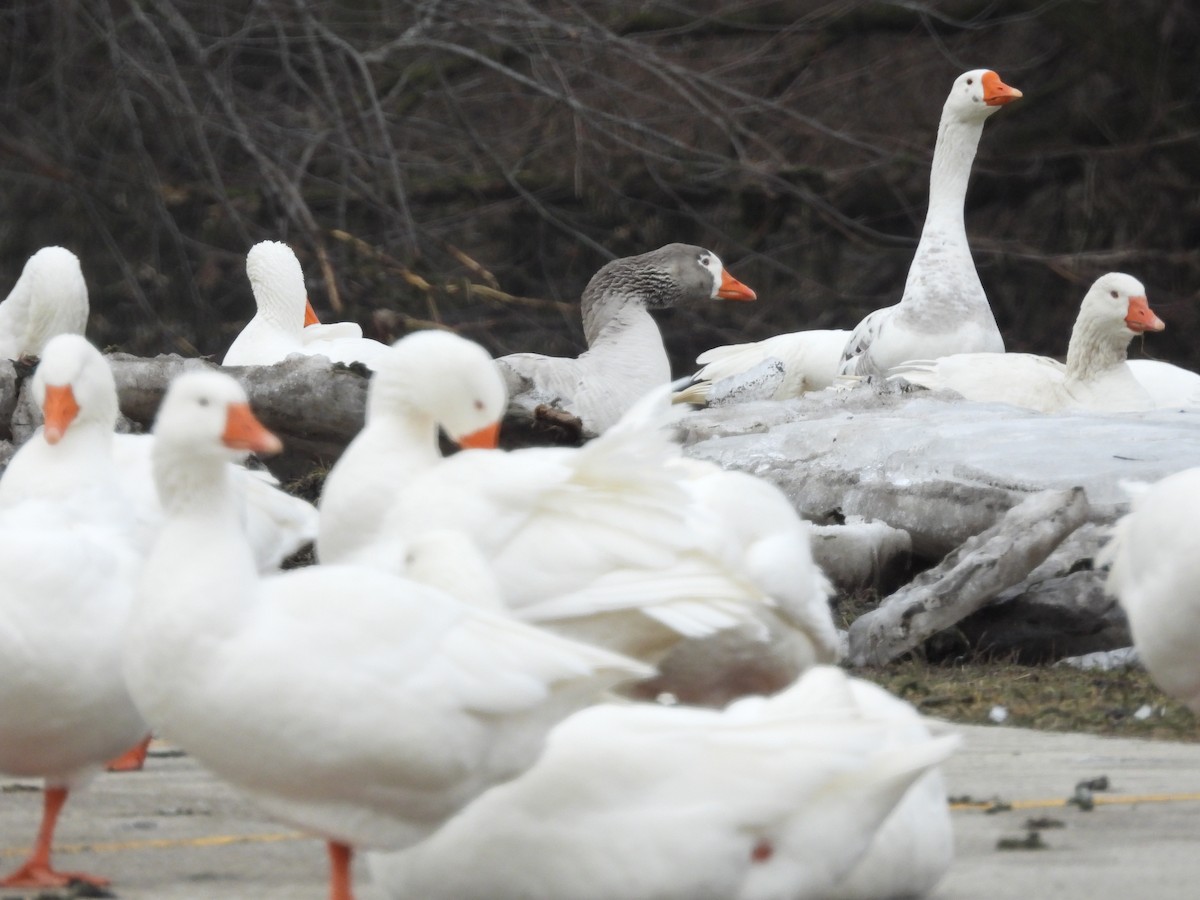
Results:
473 162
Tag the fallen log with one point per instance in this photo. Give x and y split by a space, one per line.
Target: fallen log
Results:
968 578
315 406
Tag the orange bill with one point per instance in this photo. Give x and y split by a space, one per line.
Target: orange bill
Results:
58 410
732 289
1141 317
487 438
244 432
996 92
310 314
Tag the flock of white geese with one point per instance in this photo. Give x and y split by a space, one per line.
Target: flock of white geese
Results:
438 688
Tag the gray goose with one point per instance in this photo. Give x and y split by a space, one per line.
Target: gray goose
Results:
625 356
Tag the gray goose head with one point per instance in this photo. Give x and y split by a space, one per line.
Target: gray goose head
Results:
673 275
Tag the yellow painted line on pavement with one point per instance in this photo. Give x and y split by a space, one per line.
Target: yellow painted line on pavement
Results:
224 840
1059 802
212 840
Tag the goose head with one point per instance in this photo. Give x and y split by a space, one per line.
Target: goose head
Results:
277 282
669 276
1113 310
447 379
74 386
977 94
1119 301
207 414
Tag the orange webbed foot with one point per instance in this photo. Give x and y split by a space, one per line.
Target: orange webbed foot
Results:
34 874
132 759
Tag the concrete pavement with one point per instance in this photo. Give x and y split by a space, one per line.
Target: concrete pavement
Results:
171 832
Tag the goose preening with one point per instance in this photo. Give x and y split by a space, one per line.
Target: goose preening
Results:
360 706
621 542
49 298
285 323
1096 375
69 567
774 797
1155 574
625 356
943 309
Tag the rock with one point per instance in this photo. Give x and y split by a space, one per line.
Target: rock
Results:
315 406
1060 617
968 578
9 385
937 467
1060 609
1104 661
861 554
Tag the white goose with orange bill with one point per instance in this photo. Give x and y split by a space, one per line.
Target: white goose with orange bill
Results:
1096 375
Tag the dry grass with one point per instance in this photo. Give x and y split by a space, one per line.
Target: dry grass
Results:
1053 698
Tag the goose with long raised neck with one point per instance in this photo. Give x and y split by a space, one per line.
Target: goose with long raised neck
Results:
285 323
944 309
1154 572
50 297
625 357
620 542
774 797
359 706
1096 375
69 568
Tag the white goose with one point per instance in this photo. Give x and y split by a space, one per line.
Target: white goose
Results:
1096 375
1169 386
780 367
771 798
278 328
1155 575
620 542
430 379
943 309
69 567
277 524
625 356
359 706
49 298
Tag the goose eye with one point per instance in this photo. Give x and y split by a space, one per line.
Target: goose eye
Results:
1114 294
203 401
970 81
704 260
479 406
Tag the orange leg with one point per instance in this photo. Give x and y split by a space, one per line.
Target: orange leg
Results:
339 871
36 872
132 759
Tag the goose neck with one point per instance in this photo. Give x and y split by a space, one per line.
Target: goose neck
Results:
953 155
198 489
1094 348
